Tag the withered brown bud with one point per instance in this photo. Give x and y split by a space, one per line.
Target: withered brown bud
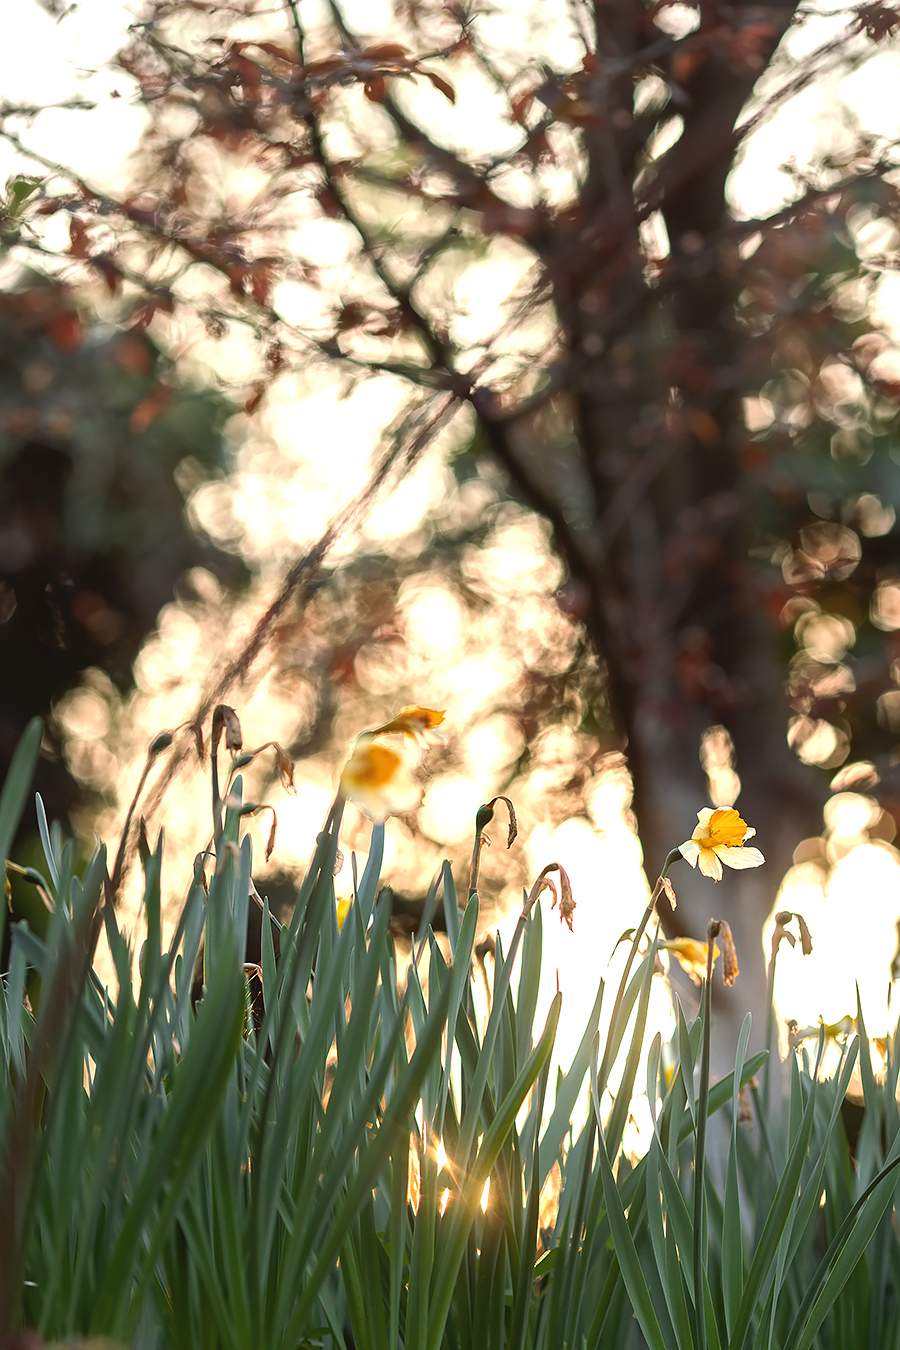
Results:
511 810
730 967
745 1108
285 766
805 935
563 896
566 899
226 719
541 884
669 890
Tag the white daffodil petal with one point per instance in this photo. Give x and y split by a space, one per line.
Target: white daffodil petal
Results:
750 833
709 863
740 858
376 778
703 816
690 851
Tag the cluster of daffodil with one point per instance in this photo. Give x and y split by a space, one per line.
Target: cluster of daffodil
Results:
378 776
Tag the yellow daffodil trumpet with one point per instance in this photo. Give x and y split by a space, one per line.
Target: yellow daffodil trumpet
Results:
720 837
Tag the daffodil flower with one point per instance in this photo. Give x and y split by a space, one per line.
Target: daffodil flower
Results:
378 775
691 954
413 726
719 838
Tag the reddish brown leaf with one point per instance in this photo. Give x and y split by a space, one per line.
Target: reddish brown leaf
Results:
375 90
249 76
385 52
256 397
329 66
329 203
280 53
78 239
440 83
520 106
261 273
104 264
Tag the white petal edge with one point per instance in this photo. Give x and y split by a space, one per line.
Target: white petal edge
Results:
740 858
709 863
690 851
704 814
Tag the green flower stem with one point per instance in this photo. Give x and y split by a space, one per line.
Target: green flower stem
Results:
605 1066
700 1142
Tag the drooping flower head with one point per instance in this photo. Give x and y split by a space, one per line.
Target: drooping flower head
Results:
378 775
692 955
416 726
720 837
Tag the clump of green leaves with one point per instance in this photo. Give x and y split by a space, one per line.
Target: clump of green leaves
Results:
186 1165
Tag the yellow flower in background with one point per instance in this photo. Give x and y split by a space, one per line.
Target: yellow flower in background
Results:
343 909
378 775
416 725
690 954
377 778
719 838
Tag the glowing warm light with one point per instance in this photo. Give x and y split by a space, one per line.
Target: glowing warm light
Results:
284 488
441 1155
413 1179
485 1195
852 916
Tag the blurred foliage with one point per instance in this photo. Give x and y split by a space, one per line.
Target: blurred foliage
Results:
99 444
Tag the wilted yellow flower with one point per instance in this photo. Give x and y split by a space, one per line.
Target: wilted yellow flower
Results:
691 955
416 725
377 778
719 838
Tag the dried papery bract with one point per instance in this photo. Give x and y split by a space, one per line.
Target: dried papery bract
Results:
781 933
283 763
745 1105
232 803
226 719
730 967
805 935
483 817
564 895
718 928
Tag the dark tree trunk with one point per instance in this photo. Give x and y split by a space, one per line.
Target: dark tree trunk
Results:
675 609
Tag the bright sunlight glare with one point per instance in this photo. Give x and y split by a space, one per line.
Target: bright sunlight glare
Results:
292 467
